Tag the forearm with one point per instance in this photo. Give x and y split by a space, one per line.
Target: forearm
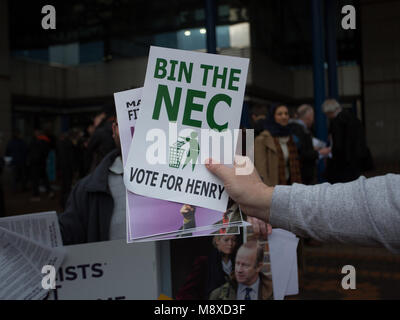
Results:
365 211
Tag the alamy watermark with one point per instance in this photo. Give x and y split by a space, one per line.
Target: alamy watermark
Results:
49 278
49 20
349 281
349 20
180 150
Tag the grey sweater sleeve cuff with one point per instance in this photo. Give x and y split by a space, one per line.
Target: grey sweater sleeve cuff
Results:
294 209
280 204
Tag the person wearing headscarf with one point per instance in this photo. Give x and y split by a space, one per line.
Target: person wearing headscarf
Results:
275 154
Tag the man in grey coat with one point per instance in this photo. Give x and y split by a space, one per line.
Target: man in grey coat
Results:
364 211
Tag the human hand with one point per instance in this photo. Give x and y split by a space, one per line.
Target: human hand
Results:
187 212
247 190
187 209
261 229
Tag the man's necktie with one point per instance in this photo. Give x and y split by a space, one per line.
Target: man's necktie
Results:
247 296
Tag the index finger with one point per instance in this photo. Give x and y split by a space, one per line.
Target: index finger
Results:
221 171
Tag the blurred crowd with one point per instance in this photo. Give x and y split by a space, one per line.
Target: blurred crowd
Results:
286 150
37 162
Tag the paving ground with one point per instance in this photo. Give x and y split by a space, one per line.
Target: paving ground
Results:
377 273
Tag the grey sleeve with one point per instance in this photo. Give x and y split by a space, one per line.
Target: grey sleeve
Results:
364 212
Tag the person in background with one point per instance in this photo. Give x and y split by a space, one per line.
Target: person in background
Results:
258 117
349 149
37 160
95 209
51 157
83 143
275 152
101 142
211 271
68 157
248 282
301 128
276 156
17 149
308 156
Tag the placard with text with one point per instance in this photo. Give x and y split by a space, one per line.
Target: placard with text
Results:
189 98
143 219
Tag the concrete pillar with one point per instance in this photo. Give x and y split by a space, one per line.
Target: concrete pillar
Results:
5 81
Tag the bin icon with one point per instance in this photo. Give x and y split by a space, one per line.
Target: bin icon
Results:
176 154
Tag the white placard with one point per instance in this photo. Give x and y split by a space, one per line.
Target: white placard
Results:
185 95
108 270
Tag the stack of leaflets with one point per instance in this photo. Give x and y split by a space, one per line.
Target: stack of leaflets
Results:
165 128
27 244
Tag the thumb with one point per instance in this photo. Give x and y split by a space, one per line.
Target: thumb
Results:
221 171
